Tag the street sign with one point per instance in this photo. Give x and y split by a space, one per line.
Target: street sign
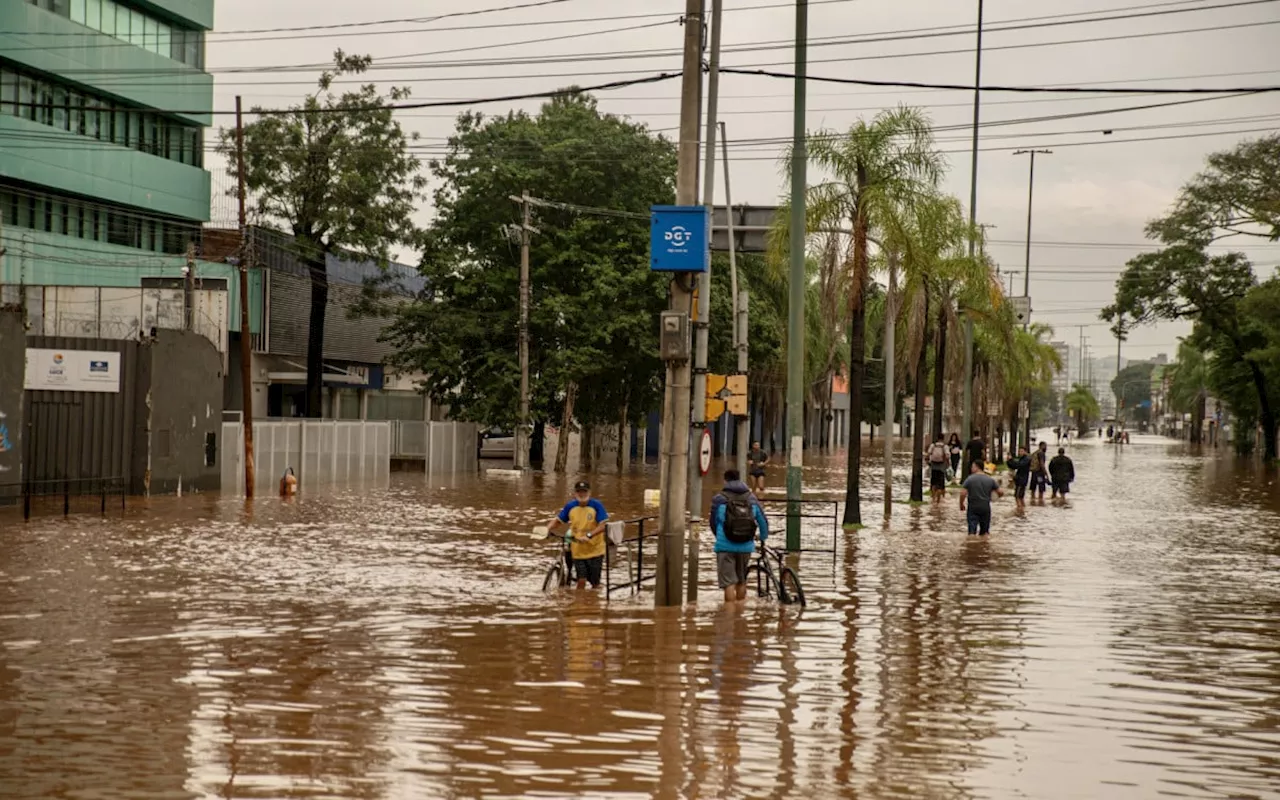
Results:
1021 309
679 239
704 453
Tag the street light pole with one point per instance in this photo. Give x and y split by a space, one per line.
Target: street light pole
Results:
1026 277
973 221
795 297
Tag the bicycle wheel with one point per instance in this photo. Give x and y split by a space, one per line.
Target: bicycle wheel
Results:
790 592
766 584
554 579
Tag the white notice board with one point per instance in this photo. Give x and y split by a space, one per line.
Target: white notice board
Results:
72 370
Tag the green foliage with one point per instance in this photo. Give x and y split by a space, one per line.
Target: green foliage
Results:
1234 316
1082 403
335 171
1132 386
595 304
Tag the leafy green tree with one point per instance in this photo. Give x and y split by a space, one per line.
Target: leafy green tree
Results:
595 303
336 172
1189 386
1132 387
1235 196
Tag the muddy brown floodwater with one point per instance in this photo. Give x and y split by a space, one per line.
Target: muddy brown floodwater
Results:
395 643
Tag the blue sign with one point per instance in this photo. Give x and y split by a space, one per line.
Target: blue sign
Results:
679 239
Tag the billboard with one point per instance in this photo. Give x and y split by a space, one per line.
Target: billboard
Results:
72 370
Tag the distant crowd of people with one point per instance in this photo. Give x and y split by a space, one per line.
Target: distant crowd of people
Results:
1031 470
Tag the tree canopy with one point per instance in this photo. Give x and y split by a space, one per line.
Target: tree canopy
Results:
594 301
1132 387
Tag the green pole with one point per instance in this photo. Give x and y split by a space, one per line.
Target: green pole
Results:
967 427
795 302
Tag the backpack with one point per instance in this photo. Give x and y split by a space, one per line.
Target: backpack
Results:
938 453
739 517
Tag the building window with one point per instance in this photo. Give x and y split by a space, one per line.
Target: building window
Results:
133 26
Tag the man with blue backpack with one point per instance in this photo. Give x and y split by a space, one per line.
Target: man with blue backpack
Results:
736 520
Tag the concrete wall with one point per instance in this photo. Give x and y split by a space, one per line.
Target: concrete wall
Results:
185 410
12 366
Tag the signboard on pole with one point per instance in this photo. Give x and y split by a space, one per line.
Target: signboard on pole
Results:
1021 309
704 453
679 239
72 370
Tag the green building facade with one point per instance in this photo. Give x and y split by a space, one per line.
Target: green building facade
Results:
105 109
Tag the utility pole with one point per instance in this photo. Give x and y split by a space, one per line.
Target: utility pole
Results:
973 220
189 289
740 305
702 307
1026 276
246 335
795 295
523 430
1119 338
890 315
675 407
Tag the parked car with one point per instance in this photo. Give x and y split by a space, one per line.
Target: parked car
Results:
497 443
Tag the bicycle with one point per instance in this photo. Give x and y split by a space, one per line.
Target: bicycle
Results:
560 573
785 585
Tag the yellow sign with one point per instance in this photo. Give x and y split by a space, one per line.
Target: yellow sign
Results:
726 392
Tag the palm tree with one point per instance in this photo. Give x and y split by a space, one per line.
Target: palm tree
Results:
873 167
1188 388
1082 403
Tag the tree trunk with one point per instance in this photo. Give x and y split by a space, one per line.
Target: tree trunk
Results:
315 338
1013 433
922 370
566 425
857 373
1197 419
585 451
622 441
940 372
1266 414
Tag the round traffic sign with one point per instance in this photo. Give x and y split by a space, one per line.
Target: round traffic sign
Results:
704 453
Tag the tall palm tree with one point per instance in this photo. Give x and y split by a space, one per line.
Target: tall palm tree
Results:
1082 403
872 168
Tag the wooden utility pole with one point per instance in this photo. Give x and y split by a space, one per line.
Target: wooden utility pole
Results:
524 428
189 289
676 396
246 335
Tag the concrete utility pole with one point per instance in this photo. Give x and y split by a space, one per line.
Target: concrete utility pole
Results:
1026 277
702 305
890 314
523 429
675 406
795 296
973 219
246 345
740 305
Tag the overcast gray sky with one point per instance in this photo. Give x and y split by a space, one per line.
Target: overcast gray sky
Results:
1091 200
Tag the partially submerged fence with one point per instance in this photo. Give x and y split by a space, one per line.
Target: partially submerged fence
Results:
443 447
65 495
819 522
633 548
320 452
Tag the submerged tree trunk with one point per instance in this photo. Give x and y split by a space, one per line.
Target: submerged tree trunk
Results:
585 451
918 442
940 372
1266 413
1013 433
1197 418
623 444
566 425
857 375
315 338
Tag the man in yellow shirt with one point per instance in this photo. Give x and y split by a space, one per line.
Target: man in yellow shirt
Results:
585 517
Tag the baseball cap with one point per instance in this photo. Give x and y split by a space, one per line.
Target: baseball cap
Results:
582 486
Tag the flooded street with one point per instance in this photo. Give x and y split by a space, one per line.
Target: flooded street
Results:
395 643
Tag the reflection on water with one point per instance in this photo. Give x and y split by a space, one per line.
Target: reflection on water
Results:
395 644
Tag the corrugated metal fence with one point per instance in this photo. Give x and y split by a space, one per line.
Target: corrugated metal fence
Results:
321 453
329 452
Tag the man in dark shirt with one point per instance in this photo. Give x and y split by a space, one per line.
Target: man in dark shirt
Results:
1021 467
1062 472
975 452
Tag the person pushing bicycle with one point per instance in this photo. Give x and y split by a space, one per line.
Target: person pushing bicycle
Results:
736 520
585 517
